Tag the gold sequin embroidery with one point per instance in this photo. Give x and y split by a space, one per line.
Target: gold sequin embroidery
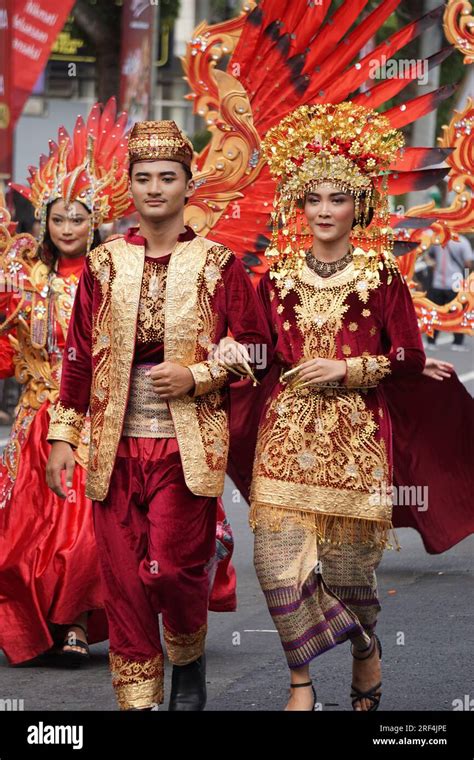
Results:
150 324
184 648
137 684
366 371
314 447
66 424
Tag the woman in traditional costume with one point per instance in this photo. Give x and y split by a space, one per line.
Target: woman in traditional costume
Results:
322 450
343 322
50 593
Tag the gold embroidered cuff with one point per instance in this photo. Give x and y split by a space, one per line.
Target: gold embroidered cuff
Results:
184 648
137 684
366 371
208 376
66 425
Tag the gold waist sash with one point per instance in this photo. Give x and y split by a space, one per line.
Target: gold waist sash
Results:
147 415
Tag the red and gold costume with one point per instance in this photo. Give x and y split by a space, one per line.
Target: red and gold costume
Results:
320 501
49 569
38 533
326 453
156 468
272 59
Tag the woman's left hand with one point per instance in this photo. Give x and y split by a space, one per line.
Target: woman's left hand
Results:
318 371
436 369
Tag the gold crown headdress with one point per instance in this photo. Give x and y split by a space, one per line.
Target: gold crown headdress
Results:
91 167
154 140
346 145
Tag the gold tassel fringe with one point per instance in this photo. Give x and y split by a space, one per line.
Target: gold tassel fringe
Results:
330 529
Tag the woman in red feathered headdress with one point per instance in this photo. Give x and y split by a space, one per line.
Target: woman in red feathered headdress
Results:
347 348
50 589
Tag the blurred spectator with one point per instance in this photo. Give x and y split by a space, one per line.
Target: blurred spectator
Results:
451 264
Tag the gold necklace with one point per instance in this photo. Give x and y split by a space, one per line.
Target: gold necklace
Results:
327 268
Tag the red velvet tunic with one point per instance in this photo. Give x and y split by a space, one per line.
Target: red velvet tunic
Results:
327 451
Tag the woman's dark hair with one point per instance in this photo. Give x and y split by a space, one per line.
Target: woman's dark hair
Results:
48 252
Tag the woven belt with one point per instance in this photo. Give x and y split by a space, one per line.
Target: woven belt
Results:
147 415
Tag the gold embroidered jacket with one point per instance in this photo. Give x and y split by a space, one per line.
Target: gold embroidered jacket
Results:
207 293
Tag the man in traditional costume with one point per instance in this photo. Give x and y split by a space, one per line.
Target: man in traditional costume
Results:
148 309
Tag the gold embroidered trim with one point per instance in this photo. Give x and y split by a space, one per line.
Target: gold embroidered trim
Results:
137 684
341 502
217 258
66 425
213 424
37 371
366 371
208 376
39 320
102 268
221 254
184 648
147 415
99 264
63 290
200 422
329 529
151 323
321 443
323 304
210 400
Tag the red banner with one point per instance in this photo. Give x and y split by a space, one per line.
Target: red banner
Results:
137 56
5 91
36 24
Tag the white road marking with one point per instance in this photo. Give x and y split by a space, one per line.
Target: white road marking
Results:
260 630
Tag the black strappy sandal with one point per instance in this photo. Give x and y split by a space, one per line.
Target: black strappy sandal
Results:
306 683
372 694
74 658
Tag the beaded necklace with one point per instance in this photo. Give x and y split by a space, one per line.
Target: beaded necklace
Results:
327 268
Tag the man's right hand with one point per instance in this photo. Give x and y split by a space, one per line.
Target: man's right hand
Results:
61 458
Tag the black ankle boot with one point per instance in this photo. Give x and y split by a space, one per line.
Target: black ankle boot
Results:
188 686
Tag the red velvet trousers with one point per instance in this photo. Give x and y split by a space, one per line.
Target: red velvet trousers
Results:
155 540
